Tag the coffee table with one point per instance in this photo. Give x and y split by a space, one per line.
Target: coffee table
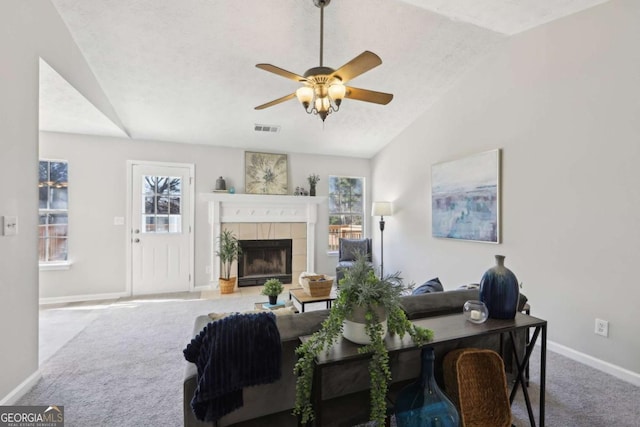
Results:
301 297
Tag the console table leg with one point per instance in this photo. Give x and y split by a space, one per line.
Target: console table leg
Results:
521 369
543 373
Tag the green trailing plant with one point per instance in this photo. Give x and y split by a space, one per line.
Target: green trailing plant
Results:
228 251
272 287
359 288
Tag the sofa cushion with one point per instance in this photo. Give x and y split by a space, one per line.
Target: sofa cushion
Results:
436 303
293 327
441 303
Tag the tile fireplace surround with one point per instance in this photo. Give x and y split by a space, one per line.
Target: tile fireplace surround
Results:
252 216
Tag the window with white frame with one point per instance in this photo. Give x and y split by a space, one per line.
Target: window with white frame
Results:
53 188
346 208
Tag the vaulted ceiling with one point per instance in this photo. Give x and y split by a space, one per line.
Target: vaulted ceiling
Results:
184 70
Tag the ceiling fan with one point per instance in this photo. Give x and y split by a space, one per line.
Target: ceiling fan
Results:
323 88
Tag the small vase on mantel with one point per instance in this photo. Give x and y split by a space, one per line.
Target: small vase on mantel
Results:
499 291
423 403
312 190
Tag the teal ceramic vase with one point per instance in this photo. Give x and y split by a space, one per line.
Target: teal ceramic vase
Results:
422 403
499 291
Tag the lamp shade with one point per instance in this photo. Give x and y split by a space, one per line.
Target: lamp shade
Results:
381 209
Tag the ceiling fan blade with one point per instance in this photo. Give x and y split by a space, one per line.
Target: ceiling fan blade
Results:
276 101
368 95
358 65
279 71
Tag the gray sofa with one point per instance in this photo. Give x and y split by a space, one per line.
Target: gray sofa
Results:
345 385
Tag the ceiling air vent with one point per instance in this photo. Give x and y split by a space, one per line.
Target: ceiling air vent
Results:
266 128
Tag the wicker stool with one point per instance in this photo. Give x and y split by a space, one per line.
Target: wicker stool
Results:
476 383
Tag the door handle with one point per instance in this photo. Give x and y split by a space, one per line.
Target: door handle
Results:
136 231
136 240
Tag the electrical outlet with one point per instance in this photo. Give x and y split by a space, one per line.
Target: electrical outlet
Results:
208 269
602 327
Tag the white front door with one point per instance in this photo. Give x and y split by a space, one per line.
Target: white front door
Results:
161 256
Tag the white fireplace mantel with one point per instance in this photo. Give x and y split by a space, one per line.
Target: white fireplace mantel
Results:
231 208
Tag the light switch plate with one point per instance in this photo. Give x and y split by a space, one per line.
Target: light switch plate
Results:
10 225
118 220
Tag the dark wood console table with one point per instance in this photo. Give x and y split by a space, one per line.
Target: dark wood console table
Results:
447 329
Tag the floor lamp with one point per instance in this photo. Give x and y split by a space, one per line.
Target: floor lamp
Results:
381 209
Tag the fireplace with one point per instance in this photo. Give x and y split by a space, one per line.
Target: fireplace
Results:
261 260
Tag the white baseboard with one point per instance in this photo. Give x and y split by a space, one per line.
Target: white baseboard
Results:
77 298
601 365
21 390
209 287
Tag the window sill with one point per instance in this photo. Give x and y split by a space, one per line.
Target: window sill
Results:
55 266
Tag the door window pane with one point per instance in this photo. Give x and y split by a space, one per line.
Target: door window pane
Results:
149 224
175 224
174 205
148 185
162 224
149 205
162 204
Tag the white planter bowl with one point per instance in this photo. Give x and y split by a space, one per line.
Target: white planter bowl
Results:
354 328
357 332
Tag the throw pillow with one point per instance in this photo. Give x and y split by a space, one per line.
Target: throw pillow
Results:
429 286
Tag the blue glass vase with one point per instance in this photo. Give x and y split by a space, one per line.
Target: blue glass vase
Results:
499 291
422 403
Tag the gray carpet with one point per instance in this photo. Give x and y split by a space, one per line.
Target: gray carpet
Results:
126 369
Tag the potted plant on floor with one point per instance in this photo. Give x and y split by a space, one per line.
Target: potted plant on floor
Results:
272 288
377 299
228 251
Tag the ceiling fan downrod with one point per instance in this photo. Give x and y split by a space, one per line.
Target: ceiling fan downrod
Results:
321 4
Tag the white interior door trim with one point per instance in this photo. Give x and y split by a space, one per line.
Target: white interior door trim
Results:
128 222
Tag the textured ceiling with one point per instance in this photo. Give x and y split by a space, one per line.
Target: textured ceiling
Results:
184 70
77 114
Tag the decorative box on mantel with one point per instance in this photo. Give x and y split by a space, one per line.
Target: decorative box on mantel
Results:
237 208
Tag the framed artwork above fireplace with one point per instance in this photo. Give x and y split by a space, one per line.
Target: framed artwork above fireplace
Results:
265 173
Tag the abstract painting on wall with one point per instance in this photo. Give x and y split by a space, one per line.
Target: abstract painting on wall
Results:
465 198
265 173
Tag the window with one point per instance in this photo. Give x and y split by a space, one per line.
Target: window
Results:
53 226
346 207
161 201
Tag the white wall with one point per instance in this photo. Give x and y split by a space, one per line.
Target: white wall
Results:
563 102
97 193
28 30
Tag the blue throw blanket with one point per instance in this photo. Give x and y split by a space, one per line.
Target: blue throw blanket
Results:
231 353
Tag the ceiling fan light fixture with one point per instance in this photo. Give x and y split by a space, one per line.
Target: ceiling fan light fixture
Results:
323 88
305 96
322 105
337 91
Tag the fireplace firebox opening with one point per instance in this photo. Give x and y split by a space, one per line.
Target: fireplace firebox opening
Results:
261 260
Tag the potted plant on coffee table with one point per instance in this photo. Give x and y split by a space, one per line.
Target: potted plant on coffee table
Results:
272 288
228 251
377 299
